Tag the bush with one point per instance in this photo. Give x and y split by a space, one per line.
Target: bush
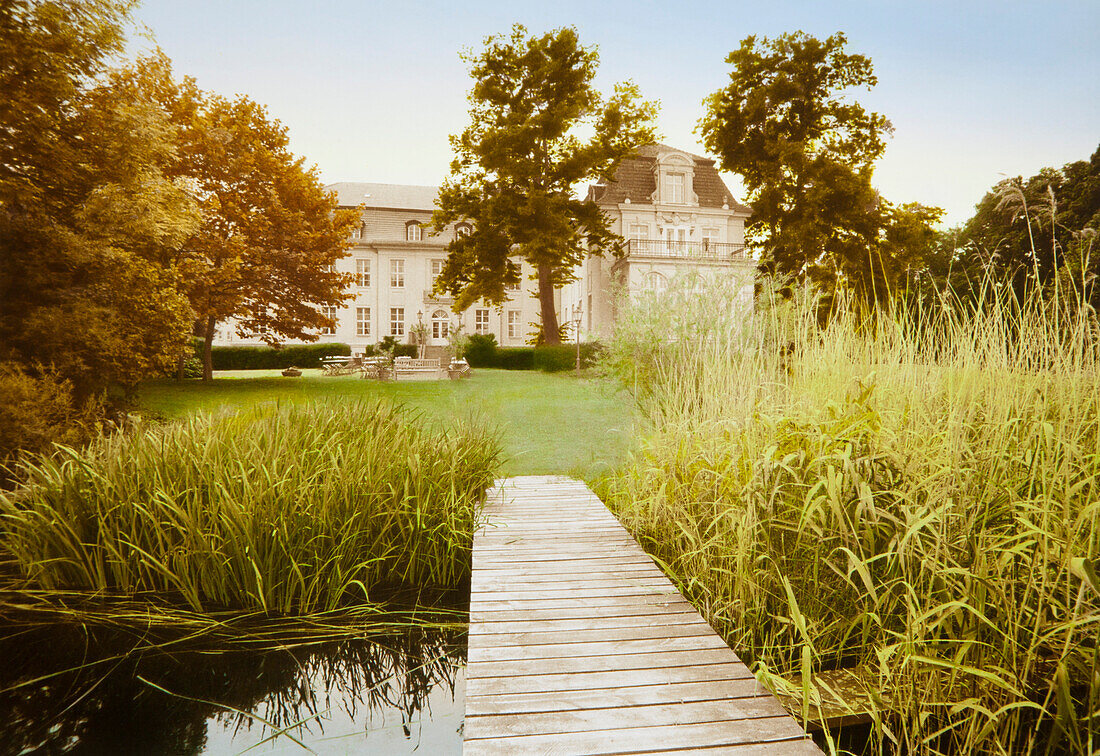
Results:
38 411
286 510
272 358
481 351
558 357
515 358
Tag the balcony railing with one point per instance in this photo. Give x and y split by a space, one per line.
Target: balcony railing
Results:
437 299
704 250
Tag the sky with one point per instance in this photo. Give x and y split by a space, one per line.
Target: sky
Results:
370 91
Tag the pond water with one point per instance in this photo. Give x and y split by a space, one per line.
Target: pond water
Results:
74 690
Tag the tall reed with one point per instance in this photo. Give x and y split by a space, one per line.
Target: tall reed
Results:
915 495
291 510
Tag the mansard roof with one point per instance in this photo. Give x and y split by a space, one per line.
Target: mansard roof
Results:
389 196
634 180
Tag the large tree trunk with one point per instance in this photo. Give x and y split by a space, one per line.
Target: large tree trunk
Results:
207 349
550 333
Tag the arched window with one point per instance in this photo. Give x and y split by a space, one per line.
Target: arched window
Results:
440 324
463 229
414 231
655 281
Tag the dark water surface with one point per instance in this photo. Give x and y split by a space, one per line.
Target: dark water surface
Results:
70 689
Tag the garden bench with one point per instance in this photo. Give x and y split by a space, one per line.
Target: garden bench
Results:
413 369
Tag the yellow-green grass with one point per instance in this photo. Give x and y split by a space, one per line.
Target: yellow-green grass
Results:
915 496
548 423
284 510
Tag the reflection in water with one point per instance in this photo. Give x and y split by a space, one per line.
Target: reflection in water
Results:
69 689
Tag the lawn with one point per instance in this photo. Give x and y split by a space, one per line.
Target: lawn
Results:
550 423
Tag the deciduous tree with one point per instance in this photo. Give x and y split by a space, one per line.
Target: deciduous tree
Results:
516 166
806 154
88 211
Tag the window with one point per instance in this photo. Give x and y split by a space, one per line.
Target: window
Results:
513 324
357 232
440 324
436 269
414 231
330 313
481 321
397 274
674 188
397 321
655 281
463 230
362 273
710 236
362 321
639 230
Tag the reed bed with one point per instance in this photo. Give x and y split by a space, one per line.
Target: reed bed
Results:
913 496
291 510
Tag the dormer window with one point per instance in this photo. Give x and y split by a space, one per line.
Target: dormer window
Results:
463 230
674 188
414 231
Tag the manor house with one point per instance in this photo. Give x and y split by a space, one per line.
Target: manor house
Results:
671 206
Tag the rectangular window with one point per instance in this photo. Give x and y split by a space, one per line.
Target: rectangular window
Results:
481 321
436 269
362 321
357 233
513 324
675 188
639 231
710 235
397 321
330 313
362 272
397 274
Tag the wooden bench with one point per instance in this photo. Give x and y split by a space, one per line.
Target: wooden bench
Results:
414 369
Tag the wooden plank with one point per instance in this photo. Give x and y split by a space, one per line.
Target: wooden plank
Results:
595 648
638 695
620 678
588 720
620 740
579 643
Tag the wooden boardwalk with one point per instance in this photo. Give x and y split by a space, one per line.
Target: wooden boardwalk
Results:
580 644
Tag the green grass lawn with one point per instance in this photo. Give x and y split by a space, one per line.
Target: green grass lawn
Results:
550 423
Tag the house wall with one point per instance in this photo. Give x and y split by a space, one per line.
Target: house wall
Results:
383 240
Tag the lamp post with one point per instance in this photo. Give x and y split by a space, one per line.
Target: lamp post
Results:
577 322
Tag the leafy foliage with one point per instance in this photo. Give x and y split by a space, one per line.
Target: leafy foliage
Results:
806 154
91 216
518 161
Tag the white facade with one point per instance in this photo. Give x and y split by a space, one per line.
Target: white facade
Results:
395 259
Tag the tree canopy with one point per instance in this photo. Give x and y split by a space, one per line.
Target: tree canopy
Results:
806 154
88 209
518 162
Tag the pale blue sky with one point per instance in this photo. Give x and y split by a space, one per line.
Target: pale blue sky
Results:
370 91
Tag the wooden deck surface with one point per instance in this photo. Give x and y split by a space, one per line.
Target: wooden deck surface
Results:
580 644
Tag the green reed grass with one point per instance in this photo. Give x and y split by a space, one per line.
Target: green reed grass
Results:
914 495
294 509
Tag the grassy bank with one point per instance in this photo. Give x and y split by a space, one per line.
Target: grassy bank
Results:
547 423
292 509
914 499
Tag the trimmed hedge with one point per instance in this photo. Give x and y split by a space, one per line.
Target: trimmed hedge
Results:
515 358
270 358
558 357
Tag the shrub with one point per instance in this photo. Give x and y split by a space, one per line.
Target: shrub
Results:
516 358
292 510
390 344
559 357
481 350
272 358
38 411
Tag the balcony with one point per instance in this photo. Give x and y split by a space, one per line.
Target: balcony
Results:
437 299
690 250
